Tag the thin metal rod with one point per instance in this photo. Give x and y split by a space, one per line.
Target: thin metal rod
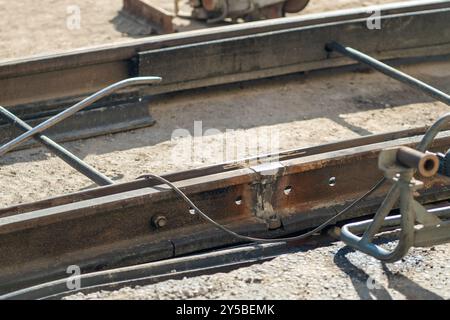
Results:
177 7
75 108
432 132
389 71
59 151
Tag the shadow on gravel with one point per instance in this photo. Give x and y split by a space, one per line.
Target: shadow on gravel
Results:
131 26
368 290
410 289
359 277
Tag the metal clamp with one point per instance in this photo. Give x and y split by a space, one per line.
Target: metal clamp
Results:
400 165
418 227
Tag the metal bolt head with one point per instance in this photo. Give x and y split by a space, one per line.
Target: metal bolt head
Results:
159 221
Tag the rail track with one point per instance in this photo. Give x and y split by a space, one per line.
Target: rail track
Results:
108 230
37 88
114 226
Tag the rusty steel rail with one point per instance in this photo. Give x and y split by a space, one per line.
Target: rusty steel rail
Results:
153 272
157 17
37 88
114 226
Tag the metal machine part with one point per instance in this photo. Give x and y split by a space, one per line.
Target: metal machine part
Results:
444 163
248 10
418 227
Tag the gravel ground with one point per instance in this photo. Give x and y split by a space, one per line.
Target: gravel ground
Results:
331 272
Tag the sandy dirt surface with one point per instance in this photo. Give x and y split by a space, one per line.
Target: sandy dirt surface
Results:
300 110
32 27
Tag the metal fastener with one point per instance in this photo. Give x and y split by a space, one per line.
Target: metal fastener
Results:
159 221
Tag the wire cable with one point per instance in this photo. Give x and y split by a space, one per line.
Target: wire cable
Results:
182 195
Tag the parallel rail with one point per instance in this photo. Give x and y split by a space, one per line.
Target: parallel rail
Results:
85 71
39 87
